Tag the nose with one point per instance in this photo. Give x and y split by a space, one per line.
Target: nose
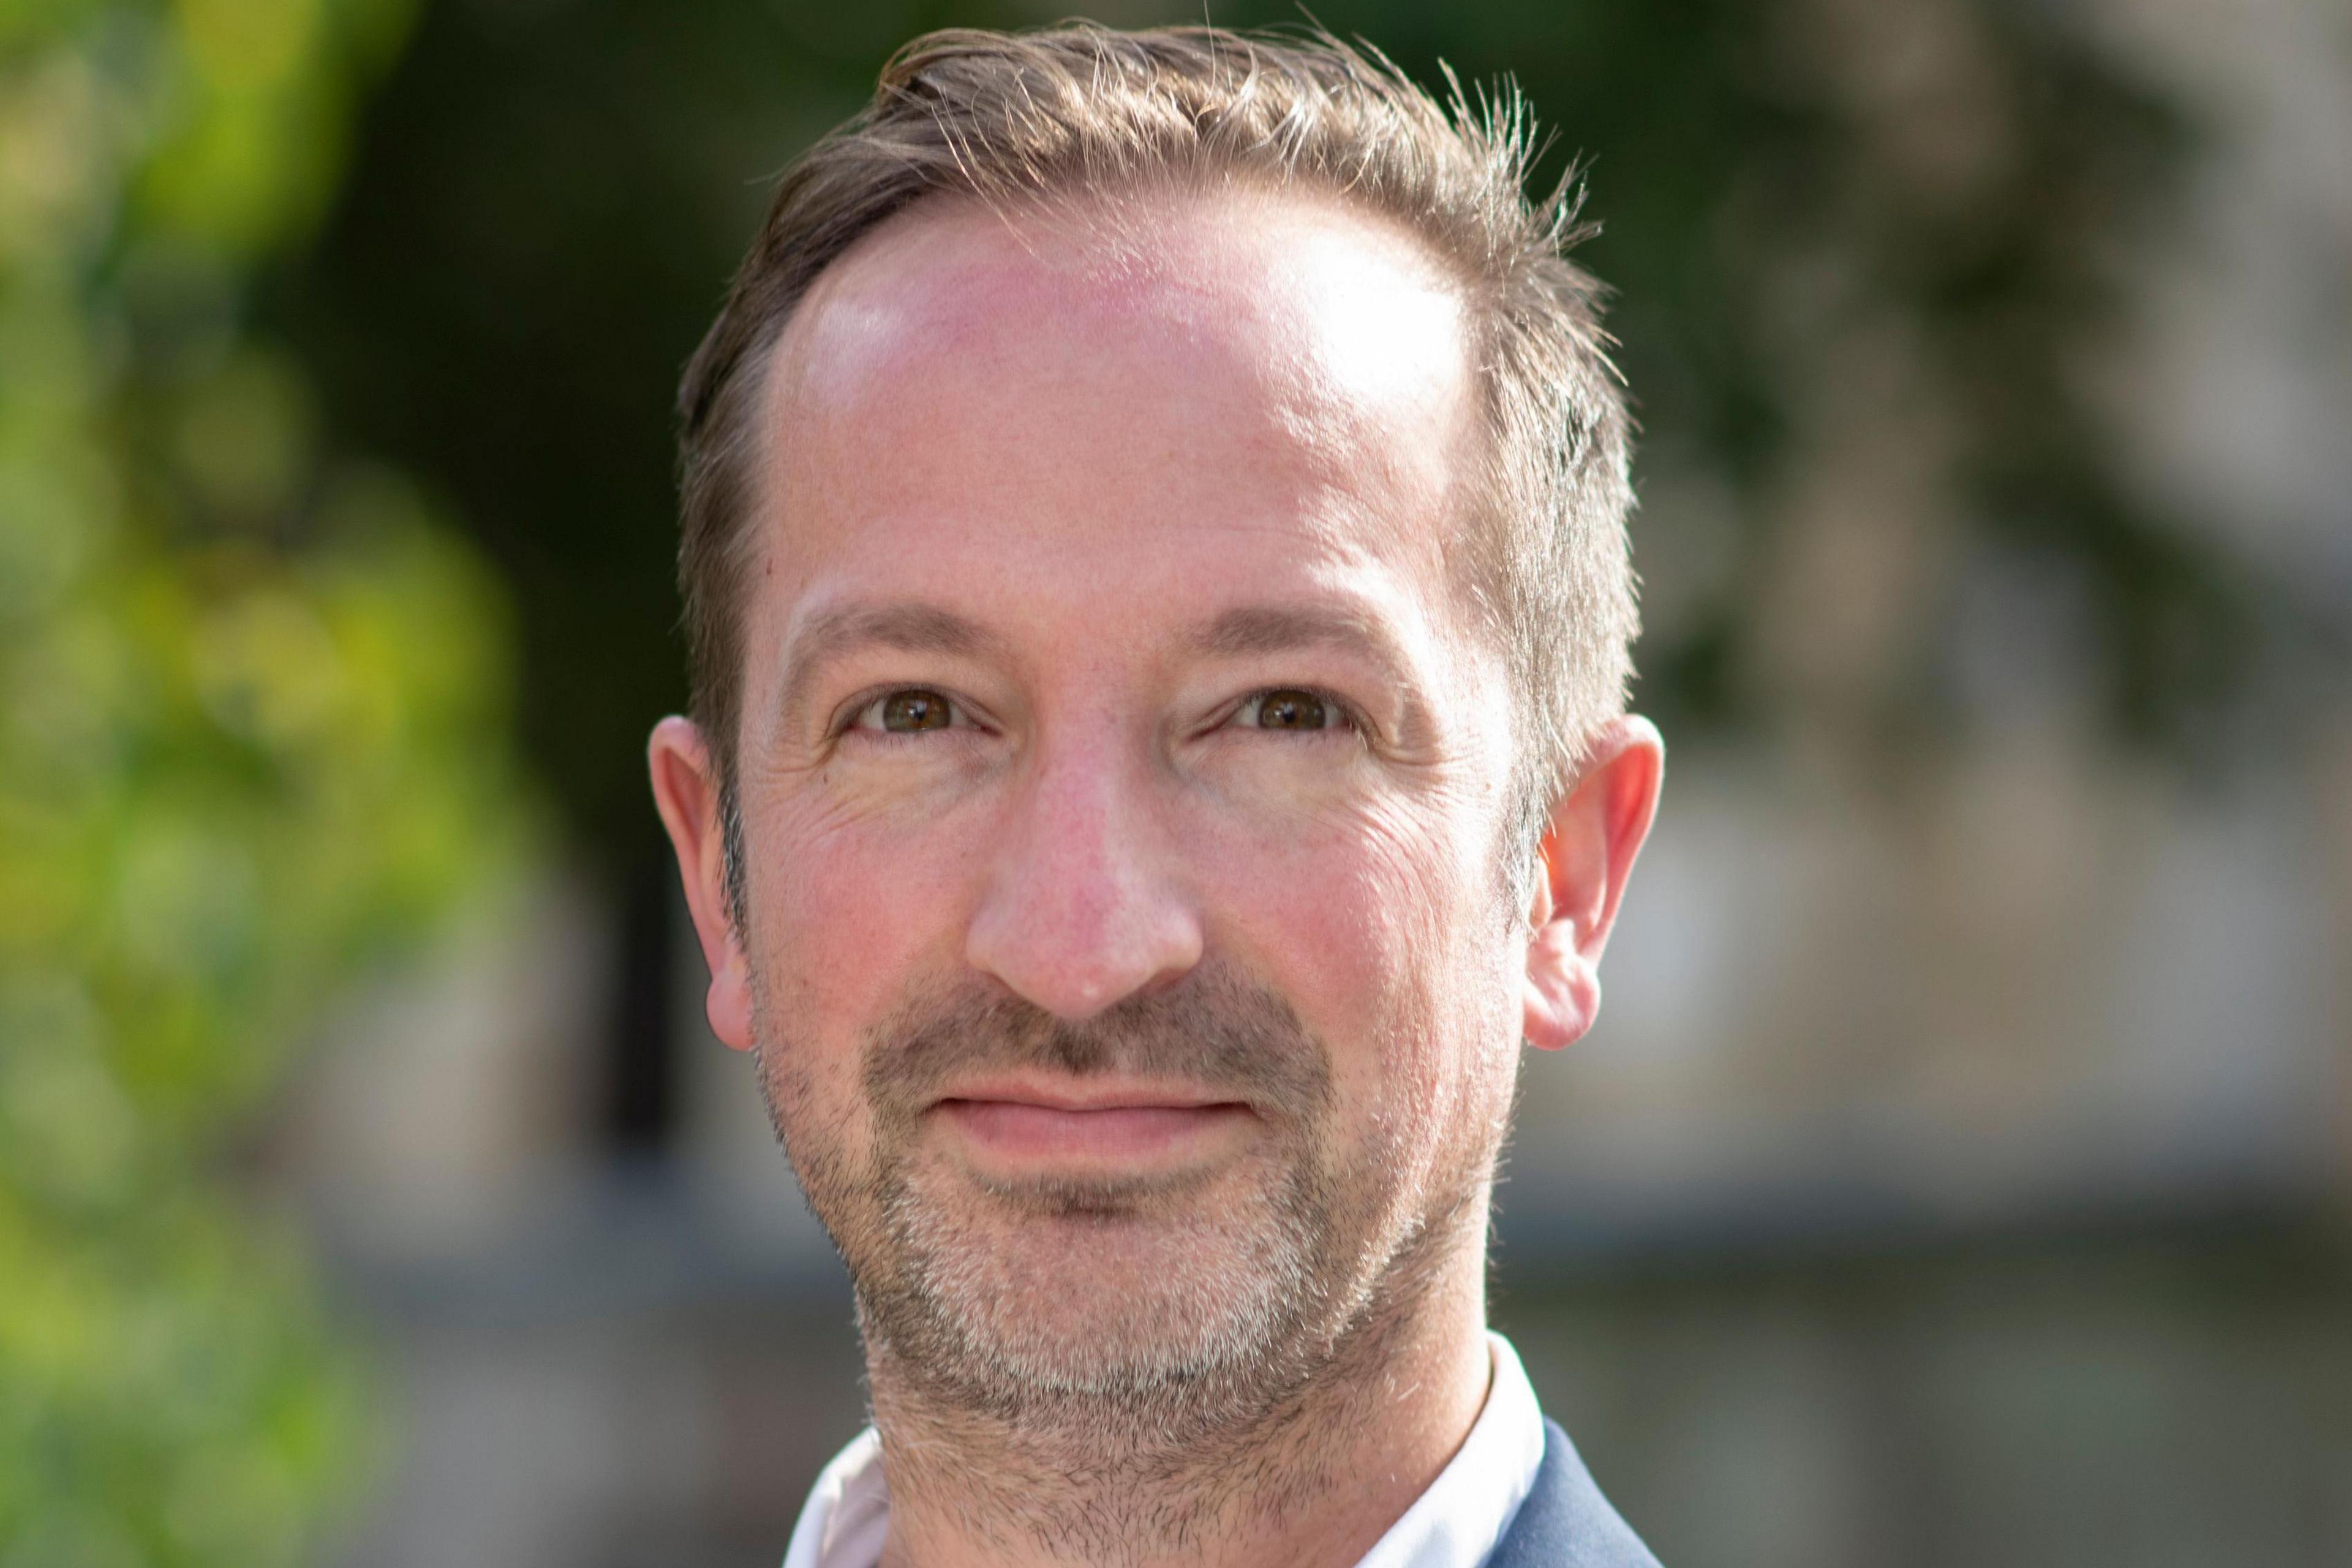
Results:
1080 910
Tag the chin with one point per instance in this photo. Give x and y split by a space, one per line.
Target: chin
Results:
1104 1292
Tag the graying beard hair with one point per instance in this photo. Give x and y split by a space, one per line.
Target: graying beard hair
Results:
1216 1357
1148 1470
1107 1464
1156 1405
1164 1395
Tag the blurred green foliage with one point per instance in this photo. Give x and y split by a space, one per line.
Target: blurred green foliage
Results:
253 702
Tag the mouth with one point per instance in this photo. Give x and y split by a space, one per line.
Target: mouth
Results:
1088 1128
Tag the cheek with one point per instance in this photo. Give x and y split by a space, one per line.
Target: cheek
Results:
1361 920
848 918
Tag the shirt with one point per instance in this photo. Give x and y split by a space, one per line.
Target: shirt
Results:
1453 1524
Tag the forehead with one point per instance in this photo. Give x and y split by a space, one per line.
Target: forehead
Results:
1155 373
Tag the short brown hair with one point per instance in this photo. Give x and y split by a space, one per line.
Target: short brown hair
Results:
1080 109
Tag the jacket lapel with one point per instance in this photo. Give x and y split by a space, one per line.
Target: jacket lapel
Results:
1565 1522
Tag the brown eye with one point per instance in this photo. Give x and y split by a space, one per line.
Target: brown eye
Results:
903 712
1293 709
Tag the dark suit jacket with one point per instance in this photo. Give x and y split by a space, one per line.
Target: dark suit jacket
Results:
1566 1523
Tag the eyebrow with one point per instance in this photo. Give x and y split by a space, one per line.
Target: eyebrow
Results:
843 629
1253 629
1280 628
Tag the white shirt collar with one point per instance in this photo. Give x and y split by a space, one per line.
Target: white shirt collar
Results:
1454 1524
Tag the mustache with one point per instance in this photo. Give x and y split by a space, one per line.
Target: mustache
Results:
1212 1030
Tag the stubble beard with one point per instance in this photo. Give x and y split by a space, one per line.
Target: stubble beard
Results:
1130 1329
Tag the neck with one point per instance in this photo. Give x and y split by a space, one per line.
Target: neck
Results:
1313 1481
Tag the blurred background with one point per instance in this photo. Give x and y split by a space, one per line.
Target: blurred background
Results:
1959 1174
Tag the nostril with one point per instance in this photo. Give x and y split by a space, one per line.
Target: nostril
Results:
1080 912
1079 958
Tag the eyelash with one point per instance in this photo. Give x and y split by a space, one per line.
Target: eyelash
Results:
1343 716
959 715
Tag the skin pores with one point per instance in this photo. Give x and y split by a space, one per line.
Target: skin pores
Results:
1122 791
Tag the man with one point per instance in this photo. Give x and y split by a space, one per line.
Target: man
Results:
1156 581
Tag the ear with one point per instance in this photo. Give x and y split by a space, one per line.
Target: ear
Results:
686 791
1588 852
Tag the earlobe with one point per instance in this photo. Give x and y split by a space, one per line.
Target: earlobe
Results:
728 1005
1588 852
685 791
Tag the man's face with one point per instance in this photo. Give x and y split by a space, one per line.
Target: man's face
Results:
1122 790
